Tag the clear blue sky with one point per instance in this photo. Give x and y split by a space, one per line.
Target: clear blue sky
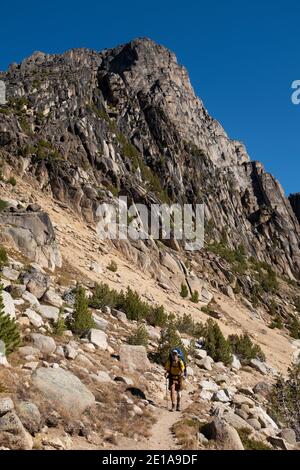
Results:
242 57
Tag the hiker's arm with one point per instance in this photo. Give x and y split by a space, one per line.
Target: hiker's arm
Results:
167 368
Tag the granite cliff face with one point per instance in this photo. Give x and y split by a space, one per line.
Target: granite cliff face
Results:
88 126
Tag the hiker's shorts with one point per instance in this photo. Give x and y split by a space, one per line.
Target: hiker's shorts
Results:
178 383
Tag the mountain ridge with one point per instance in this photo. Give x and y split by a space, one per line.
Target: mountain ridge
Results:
133 107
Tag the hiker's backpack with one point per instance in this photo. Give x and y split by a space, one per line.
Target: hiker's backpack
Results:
181 356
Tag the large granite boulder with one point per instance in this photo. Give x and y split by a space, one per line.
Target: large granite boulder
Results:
64 390
32 233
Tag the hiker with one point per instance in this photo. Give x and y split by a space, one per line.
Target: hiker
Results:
175 372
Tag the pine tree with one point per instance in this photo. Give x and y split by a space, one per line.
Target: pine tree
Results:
3 257
195 297
295 328
9 331
81 321
184 291
60 325
140 337
216 345
169 340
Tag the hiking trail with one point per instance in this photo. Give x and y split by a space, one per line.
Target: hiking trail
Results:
161 437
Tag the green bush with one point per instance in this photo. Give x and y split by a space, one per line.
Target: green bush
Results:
184 291
60 325
215 343
237 258
132 305
3 257
157 316
9 331
140 338
277 322
265 276
81 320
244 349
113 266
294 327
129 302
3 205
195 297
186 324
284 400
249 443
169 340
103 296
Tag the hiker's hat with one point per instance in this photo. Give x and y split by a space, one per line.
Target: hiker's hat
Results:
175 352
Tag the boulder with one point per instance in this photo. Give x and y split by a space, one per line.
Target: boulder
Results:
254 423
237 422
288 435
226 436
13 434
29 416
205 363
29 351
11 274
45 344
242 414
52 298
259 366
121 316
36 283
100 323
9 306
236 364
239 399
34 318
6 405
33 234
103 377
49 313
200 354
206 395
70 352
263 388
64 390
31 299
209 386
134 357
280 443
98 338
221 396
265 420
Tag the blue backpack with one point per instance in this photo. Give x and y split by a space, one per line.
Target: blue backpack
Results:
181 356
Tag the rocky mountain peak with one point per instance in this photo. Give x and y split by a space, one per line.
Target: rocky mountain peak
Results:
128 119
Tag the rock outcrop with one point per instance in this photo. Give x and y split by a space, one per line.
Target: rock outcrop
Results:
89 125
295 203
31 232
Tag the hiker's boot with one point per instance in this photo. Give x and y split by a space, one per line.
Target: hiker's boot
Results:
178 408
173 407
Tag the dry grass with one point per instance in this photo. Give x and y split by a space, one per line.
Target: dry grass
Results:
186 433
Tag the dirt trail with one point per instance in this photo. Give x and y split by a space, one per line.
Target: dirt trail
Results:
161 437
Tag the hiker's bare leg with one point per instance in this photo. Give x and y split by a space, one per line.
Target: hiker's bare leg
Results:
173 395
178 400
